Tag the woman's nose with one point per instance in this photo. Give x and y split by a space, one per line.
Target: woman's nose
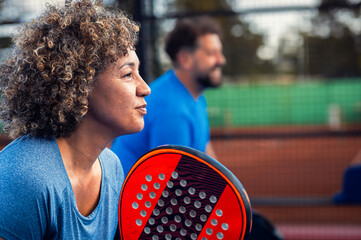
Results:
143 89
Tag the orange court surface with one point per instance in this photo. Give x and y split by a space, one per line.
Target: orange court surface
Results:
291 175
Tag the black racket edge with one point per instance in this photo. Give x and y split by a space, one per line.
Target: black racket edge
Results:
216 164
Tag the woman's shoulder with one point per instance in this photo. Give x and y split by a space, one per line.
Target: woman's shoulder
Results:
110 157
32 161
111 165
26 142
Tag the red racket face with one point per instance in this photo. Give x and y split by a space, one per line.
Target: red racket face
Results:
175 192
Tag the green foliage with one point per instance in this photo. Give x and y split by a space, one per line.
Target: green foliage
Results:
5 42
331 49
333 56
126 5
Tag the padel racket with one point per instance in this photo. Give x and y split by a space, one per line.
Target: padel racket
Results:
175 192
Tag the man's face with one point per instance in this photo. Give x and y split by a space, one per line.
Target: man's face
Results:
209 60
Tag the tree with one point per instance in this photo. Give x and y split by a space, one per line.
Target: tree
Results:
333 48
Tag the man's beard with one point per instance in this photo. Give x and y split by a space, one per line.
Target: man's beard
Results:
206 80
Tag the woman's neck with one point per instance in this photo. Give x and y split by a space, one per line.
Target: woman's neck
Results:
82 148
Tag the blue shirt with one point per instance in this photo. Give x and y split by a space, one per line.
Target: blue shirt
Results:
37 199
174 117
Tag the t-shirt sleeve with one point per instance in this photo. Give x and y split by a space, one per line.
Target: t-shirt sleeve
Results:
22 206
170 129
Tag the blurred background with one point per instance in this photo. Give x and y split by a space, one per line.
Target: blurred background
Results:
287 120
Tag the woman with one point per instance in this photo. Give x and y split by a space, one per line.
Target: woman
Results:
70 88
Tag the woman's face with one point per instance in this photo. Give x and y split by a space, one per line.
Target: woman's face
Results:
117 101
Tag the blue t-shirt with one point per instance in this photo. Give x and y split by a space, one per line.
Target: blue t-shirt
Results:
174 117
37 200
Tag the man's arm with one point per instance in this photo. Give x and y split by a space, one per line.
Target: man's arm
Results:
210 150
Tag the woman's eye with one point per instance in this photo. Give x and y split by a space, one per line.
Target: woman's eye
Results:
128 74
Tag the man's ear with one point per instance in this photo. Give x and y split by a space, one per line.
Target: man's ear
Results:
185 59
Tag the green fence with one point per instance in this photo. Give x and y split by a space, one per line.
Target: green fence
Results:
302 103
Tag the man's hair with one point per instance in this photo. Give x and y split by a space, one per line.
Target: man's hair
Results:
45 84
186 33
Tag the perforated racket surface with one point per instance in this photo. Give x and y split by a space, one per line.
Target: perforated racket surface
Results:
175 192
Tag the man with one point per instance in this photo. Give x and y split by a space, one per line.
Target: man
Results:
177 112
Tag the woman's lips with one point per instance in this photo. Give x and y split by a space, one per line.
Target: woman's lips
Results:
142 109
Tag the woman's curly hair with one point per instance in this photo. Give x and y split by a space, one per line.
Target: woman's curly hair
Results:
46 83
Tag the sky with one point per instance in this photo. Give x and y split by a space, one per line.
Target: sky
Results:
25 11
30 8
275 25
